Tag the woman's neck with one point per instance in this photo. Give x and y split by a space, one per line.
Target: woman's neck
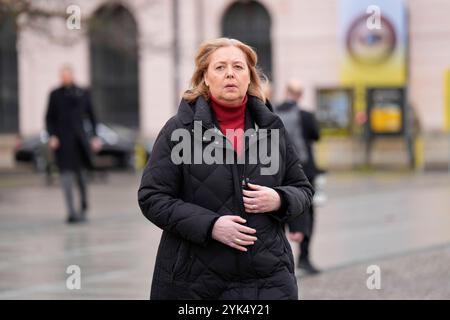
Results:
226 113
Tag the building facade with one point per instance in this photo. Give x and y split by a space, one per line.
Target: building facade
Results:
137 58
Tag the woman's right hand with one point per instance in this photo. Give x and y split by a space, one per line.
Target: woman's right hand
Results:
53 142
230 231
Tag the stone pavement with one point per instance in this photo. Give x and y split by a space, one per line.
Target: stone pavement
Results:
397 221
424 274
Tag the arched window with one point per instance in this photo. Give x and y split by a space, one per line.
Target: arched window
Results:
8 74
114 66
249 22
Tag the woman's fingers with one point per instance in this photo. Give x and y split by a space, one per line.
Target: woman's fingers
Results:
244 229
253 204
255 186
240 227
250 200
264 200
235 246
231 231
239 244
251 194
238 219
249 208
240 241
254 200
254 208
247 238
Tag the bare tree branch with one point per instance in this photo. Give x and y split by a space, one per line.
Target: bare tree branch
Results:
45 18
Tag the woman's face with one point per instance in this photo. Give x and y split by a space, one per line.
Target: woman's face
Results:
228 76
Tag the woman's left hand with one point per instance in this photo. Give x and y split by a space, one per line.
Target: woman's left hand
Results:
261 199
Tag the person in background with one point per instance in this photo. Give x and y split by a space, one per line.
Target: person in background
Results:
267 89
68 106
304 131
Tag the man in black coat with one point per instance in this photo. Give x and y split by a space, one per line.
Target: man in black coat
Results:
68 106
305 131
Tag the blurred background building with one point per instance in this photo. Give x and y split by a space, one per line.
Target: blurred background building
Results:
375 72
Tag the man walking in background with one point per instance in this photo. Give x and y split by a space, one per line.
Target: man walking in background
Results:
68 106
303 130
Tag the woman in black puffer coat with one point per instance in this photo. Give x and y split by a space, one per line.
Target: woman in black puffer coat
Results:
222 220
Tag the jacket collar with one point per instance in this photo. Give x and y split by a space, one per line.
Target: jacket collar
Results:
201 111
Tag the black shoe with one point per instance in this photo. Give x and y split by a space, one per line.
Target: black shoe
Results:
72 219
306 266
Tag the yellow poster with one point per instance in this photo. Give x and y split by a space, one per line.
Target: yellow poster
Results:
386 119
373 43
447 100
373 50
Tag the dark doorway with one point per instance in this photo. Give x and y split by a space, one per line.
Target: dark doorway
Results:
249 22
9 106
114 66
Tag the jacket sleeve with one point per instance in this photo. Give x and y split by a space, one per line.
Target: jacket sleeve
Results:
159 198
90 112
311 130
51 116
301 224
296 192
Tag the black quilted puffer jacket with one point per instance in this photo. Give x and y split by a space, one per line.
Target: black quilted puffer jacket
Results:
186 199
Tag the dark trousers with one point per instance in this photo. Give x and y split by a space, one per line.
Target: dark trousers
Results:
304 245
304 224
68 178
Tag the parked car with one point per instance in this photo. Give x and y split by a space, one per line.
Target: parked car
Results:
117 152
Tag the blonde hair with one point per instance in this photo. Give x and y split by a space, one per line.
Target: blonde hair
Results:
198 86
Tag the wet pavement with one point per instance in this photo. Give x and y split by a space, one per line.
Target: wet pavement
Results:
397 221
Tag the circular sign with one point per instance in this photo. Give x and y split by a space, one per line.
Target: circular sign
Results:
370 46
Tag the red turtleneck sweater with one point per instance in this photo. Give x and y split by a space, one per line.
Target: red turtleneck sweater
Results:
231 117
